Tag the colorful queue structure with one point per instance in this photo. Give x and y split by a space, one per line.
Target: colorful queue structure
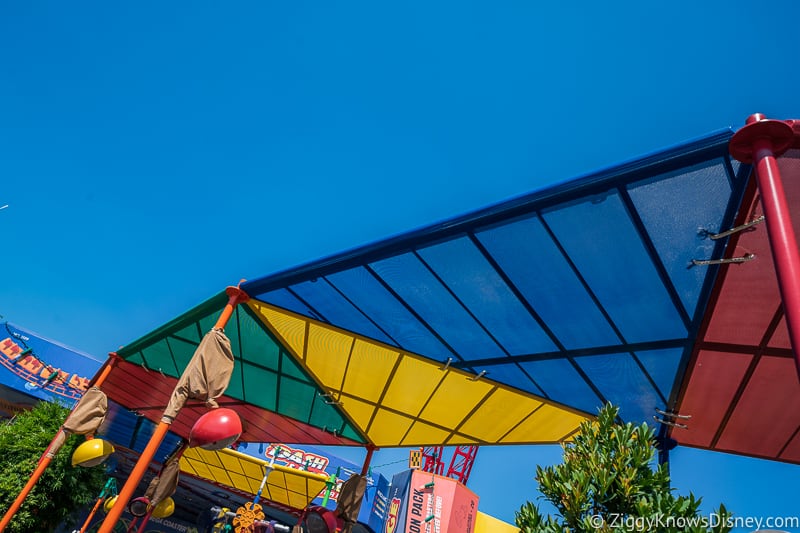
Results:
676 299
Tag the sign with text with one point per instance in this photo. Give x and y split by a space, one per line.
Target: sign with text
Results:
422 502
42 368
374 506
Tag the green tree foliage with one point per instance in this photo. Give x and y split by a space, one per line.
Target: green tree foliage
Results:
61 490
608 482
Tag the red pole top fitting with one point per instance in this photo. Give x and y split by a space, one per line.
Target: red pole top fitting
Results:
236 295
760 130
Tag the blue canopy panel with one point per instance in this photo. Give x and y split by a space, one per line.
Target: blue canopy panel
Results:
580 293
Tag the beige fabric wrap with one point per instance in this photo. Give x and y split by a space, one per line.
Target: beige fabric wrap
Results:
85 418
164 485
349 502
206 376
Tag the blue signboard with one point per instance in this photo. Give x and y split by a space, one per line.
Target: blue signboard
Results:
397 511
42 368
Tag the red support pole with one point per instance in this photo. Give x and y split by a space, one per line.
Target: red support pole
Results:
145 519
760 142
367 460
235 297
44 460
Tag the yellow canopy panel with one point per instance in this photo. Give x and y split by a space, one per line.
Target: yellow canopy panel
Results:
396 398
236 470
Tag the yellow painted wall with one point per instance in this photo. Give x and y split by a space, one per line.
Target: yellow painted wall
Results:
490 524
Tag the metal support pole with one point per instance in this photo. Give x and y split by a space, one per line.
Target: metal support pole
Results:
760 142
108 490
91 515
145 520
367 460
135 476
44 460
176 455
235 297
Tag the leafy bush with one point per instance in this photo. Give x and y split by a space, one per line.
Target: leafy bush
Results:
608 483
61 490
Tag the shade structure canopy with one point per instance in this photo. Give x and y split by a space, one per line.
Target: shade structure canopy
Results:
514 323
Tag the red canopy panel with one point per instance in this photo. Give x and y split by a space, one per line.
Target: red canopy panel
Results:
742 388
147 393
780 339
716 377
766 415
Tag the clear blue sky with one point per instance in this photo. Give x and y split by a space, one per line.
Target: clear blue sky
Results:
152 153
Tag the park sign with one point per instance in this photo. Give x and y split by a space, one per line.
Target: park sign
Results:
42 368
321 461
421 502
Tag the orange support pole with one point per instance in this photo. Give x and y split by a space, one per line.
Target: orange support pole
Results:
235 297
44 460
91 515
135 476
109 490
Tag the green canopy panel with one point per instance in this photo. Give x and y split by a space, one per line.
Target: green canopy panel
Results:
275 397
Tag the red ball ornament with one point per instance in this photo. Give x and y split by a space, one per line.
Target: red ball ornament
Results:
215 430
